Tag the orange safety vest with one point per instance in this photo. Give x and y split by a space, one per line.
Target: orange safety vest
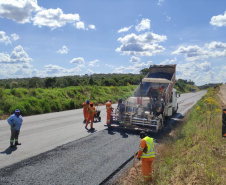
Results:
92 111
108 107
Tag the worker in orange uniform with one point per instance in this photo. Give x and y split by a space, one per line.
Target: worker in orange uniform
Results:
84 111
91 113
147 155
109 109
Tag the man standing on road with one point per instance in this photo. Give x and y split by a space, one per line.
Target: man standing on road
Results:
121 109
84 111
109 109
91 112
15 121
147 155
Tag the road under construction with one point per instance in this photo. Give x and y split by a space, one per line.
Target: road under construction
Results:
56 149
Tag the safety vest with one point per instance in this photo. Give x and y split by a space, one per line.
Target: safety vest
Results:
108 107
92 111
150 150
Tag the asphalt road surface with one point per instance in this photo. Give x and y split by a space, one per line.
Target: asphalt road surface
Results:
56 148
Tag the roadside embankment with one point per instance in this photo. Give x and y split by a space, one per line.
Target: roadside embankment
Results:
194 153
41 100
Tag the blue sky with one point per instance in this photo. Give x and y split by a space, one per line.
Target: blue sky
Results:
47 38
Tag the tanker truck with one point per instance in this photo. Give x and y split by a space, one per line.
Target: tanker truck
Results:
154 101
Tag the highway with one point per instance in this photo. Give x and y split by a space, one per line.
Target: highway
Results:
57 149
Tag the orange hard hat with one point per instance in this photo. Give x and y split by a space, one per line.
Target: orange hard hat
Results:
91 103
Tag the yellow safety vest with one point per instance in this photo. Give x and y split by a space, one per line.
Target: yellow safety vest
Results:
150 150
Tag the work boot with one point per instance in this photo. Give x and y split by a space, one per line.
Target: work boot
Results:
12 146
92 129
86 128
84 121
16 143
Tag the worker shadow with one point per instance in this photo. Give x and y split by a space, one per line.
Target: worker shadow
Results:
91 131
9 150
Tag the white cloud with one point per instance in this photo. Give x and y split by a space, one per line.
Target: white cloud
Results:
109 66
15 37
145 24
63 50
18 10
205 66
8 39
194 53
133 68
168 18
125 29
216 45
92 27
4 38
89 71
55 70
160 2
134 59
54 18
80 25
168 61
92 63
142 45
79 61
219 20
18 55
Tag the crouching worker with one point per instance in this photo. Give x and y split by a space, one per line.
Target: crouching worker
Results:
91 113
15 121
147 155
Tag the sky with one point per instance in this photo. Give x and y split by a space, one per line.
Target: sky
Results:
47 38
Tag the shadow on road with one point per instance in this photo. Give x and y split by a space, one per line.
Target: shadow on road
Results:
9 150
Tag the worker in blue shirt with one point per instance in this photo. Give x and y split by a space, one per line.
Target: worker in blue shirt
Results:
15 121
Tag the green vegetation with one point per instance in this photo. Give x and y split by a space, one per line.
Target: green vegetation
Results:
184 86
196 152
38 100
67 81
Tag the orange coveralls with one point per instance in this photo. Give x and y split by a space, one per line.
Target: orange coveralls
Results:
84 110
109 108
91 113
146 165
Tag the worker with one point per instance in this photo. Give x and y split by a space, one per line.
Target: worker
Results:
91 113
121 110
15 121
147 155
84 111
109 109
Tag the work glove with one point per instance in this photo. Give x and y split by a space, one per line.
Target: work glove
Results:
13 125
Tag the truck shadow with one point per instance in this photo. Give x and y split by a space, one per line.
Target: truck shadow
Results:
9 150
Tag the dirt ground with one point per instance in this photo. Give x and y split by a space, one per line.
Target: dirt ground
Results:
222 95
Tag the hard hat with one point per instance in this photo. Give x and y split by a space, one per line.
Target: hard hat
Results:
91 103
17 110
143 134
87 101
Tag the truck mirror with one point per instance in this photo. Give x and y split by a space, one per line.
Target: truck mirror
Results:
224 123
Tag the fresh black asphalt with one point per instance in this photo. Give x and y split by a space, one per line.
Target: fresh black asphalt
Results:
89 160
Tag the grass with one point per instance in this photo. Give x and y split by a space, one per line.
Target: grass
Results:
196 154
193 153
38 100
